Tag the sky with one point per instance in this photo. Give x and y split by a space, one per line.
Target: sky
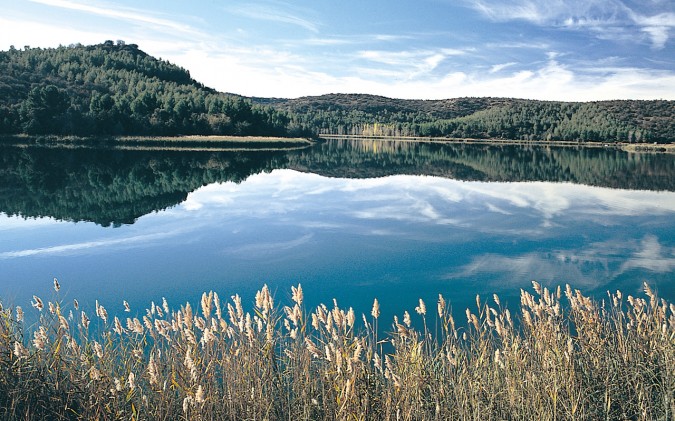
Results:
567 50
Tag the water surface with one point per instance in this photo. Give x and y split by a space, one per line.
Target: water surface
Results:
348 220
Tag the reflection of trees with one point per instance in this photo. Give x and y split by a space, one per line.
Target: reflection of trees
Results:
112 187
592 166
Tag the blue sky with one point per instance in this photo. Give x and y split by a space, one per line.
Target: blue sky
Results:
427 49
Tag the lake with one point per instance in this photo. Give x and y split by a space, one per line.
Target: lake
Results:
352 220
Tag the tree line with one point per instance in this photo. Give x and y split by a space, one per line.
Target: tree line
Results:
486 118
114 88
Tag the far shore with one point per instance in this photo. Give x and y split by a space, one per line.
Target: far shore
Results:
231 143
628 147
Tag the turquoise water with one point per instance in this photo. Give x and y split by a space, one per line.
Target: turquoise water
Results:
348 221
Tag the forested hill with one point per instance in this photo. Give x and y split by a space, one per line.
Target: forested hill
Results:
117 89
484 118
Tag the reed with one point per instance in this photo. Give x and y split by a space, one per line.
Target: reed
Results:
561 356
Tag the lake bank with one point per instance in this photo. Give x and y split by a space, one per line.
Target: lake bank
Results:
188 142
628 147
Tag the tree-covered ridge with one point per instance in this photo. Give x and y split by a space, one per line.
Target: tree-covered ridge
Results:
506 118
117 89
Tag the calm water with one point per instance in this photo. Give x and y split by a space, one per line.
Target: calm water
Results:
351 221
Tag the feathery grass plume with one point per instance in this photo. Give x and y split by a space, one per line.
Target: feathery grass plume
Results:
376 309
441 306
131 381
57 286
207 301
101 312
165 305
406 318
421 308
19 350
85 320
297 294
37 303
199 394
153 371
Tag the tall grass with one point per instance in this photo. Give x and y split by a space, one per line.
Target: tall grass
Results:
563 356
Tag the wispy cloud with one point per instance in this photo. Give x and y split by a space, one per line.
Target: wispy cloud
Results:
545 12
274 13
356 39
600 17
658 27
121 13
499 67
410 64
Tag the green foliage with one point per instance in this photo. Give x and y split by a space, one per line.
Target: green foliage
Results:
117 89
485 118
43 108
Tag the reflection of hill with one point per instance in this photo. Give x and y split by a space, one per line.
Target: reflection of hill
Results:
112 187
591 166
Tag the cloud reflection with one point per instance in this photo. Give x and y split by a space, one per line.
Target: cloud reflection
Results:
88 246
269 247
651 256
531 209
591 266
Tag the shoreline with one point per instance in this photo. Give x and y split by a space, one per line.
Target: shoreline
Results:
236 143
175 143
627 147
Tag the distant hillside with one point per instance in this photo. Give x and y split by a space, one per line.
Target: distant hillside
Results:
506 118
117 89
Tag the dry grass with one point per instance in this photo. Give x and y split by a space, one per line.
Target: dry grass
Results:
563 356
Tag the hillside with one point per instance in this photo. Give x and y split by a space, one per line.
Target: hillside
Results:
484 118
117 89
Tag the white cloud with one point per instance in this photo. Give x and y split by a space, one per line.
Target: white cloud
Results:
606 19
20 33
658 27
287 69
545 12
499 67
